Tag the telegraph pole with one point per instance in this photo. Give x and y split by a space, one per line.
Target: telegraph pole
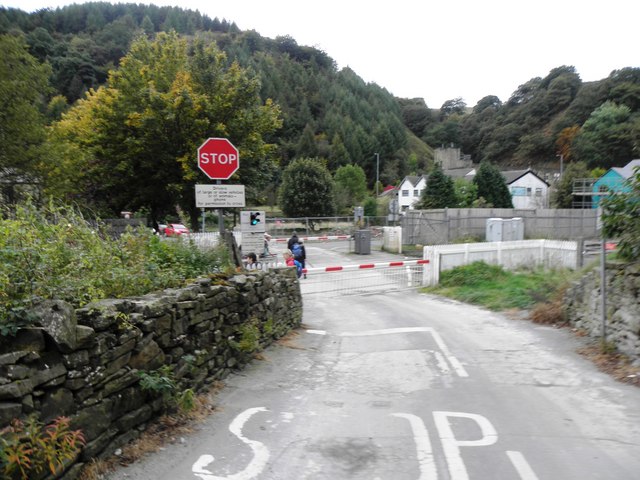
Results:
377 172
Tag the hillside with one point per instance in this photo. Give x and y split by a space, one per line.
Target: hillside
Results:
334 114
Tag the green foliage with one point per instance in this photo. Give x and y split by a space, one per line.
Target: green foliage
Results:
607 138
466 192
162 383
621 218
32 450
370 207
23 84
55 253
325 112
562 196
350 187
129 146
159 382
307 189
492 186
497 289
249 341
439 192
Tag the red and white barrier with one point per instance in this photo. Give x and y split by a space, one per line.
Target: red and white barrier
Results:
364 266
314 239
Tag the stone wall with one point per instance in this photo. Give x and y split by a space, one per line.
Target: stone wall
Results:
584 307
85 364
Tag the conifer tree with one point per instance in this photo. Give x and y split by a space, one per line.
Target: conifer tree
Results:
492 186
439 192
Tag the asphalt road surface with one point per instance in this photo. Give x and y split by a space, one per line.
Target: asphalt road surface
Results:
404 385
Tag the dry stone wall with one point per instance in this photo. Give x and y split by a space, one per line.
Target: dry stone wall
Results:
86 363
584 307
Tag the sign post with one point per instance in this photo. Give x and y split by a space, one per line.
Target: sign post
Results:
252 225
218 159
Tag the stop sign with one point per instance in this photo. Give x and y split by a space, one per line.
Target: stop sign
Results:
218 158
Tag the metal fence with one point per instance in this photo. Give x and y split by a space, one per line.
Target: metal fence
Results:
435 227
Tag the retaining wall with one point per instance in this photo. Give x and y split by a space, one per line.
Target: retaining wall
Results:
85 364
583 302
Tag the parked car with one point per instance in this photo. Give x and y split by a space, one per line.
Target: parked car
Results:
175 229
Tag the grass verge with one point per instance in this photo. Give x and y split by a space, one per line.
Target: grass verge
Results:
497 289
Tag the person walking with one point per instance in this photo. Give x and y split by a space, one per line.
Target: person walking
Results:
292 262
293 240
300 254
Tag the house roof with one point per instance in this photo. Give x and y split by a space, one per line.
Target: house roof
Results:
458 172
413 179
513 175
627 171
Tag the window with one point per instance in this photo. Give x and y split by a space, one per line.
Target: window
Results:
518 191
538 192
416 192
528 191
405 193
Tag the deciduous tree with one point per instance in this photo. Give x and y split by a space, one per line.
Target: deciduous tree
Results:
350 186
133 143
307 189
23 86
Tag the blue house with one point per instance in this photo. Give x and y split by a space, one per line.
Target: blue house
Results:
615 180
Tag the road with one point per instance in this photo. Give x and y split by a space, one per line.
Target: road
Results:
410 386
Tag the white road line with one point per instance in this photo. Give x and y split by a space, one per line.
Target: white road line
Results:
317 332
426 461
385 331
453 361
457 366
255 466
521 465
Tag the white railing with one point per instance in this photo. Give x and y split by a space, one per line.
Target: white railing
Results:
509 255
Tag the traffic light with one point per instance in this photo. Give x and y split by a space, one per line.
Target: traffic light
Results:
255 218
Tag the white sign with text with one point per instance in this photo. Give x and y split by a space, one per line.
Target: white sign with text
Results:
219 196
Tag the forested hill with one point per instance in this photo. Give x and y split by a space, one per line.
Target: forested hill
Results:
335 114
326 113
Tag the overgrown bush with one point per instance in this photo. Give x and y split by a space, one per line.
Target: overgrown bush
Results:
54 252
30 450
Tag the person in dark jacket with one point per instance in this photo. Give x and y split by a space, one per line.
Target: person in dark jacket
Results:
292 240
300 253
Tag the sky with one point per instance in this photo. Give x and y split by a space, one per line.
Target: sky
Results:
440 50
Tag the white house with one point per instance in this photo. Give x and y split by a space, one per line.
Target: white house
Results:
527 189
410 190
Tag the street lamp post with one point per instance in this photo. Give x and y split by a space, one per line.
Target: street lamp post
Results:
561 163
377 172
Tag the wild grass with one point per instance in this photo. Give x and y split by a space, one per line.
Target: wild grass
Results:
497 289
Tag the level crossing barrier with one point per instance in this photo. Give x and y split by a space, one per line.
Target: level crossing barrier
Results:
362 279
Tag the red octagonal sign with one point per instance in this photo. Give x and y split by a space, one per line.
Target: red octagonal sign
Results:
218 158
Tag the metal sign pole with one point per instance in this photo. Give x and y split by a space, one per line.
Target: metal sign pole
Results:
220 216
603 287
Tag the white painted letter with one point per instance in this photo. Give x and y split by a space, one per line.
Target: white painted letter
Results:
426 462
257 463
450 444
